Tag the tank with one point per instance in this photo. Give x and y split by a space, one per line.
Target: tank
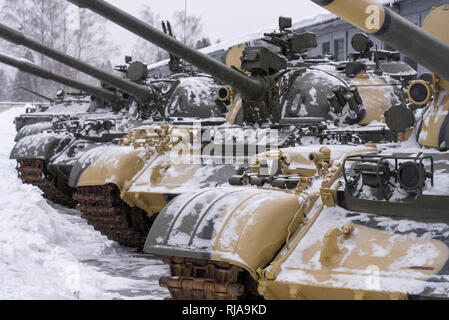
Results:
326 222
265 91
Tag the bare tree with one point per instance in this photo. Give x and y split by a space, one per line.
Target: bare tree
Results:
192 37
193 26
5 88
143 50
46 21
23 80
203 43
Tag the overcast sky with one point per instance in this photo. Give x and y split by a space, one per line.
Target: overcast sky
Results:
222 20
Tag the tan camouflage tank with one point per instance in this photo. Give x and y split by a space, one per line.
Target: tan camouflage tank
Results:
326 222
302 99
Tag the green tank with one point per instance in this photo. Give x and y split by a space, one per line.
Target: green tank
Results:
39 138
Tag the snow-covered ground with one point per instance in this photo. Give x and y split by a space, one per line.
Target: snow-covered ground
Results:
49 252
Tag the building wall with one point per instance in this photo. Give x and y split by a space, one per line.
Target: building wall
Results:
337 31
335 35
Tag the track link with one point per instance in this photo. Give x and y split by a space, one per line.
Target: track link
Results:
103 209
194 279
33 171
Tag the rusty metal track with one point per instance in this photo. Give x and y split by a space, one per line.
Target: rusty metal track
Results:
33 171
103 209
193 279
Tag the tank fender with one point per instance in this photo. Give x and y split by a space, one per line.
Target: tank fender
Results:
345 256
241 226
62 164
107 165
41 146
33 129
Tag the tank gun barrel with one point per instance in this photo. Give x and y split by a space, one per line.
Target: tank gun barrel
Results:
33 69
36 94
141 92
394 30
249 87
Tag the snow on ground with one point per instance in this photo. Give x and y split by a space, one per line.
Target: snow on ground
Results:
49 252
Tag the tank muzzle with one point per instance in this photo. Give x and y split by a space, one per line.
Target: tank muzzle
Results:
224 94
399 118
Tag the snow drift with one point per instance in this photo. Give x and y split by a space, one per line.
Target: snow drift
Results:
42 251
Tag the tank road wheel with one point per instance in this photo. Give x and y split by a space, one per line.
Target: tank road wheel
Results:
33 171
103 209
194 279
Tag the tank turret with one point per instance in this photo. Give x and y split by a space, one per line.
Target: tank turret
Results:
28 67
428 46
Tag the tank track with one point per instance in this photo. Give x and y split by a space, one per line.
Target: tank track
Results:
103 209
33 171
194 279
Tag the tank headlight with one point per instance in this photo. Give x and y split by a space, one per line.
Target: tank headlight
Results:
411 176
60 94
420 92
137 71
399 118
